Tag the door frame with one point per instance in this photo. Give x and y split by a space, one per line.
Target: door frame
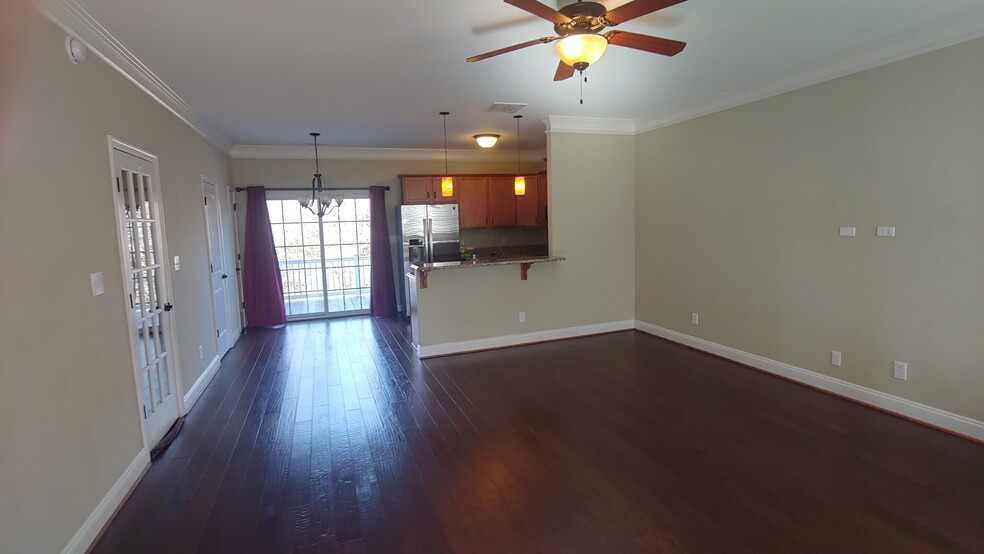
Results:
175 362
220 349
240 305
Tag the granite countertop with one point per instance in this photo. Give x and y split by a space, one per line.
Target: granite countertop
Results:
484 262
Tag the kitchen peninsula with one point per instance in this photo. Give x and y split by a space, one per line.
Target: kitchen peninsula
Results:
417 283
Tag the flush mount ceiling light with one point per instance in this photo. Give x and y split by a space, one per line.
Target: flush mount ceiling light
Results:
321 200
486 140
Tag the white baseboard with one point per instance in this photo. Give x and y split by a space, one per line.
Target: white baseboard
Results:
920 412
196 390
107 507
447 348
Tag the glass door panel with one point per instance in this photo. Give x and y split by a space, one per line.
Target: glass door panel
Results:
324 264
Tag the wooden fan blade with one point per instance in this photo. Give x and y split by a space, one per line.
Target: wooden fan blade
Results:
541 10
534 42
637 8
647 43
564 71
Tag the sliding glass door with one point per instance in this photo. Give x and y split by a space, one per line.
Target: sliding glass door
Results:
324 263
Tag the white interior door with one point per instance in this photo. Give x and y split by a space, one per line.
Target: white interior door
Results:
138 212
217 267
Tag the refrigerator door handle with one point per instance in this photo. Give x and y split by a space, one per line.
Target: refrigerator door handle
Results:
429 240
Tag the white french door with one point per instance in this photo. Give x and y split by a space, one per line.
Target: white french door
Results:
140 220
324 264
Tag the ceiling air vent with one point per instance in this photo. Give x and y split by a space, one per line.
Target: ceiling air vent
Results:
506 107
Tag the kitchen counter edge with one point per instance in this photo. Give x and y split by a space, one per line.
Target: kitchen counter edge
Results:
486 262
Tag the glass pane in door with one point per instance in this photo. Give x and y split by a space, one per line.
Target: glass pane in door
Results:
347 256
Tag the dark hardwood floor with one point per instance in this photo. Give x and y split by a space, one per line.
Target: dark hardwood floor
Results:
330 436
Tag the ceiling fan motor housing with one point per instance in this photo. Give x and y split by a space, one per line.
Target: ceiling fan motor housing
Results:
586 17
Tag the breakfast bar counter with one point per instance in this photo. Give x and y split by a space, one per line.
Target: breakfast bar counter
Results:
524 263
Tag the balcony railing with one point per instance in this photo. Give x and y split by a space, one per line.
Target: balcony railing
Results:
304 291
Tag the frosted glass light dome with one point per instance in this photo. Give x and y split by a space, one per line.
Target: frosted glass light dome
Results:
584 49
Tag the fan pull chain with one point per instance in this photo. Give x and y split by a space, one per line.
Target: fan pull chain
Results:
581 84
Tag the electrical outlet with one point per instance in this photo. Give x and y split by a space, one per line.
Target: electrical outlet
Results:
900 370
201 353
885 231
835 358
522 317
695 318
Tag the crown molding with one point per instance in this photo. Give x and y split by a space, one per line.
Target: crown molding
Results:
926 38
76 21
241 151
589 125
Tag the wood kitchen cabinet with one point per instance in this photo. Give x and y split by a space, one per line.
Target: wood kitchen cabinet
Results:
473 205
484 201
502 201
529 212
426 189
487 202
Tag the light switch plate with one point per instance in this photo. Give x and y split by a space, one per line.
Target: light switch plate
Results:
835 358
900 370
848 231
885 232
97 284
177 263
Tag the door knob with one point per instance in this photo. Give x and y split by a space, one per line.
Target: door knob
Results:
224 276
168 307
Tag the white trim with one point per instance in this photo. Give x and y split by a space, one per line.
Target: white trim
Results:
76 21
445 349
589 125
196 390
922 39
955 423
260 152
107 507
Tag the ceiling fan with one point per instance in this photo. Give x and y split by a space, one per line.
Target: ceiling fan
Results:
579 26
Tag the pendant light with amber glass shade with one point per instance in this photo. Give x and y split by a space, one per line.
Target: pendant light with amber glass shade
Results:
447 183
520 186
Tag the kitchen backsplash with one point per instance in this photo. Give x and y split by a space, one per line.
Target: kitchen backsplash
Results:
482 239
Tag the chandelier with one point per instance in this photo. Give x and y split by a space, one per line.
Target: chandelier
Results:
321 200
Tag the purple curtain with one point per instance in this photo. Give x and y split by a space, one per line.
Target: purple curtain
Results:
262 287
382 291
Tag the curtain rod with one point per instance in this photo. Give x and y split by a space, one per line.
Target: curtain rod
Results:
308 189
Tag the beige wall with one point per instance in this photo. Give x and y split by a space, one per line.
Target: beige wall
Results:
69 422
738 217
591 223
357 174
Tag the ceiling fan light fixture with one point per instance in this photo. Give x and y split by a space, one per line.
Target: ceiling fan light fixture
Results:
583 49
486 140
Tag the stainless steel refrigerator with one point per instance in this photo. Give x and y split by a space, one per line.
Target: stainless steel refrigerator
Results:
430 234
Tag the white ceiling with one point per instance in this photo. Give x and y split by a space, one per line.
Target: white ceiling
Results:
375 73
